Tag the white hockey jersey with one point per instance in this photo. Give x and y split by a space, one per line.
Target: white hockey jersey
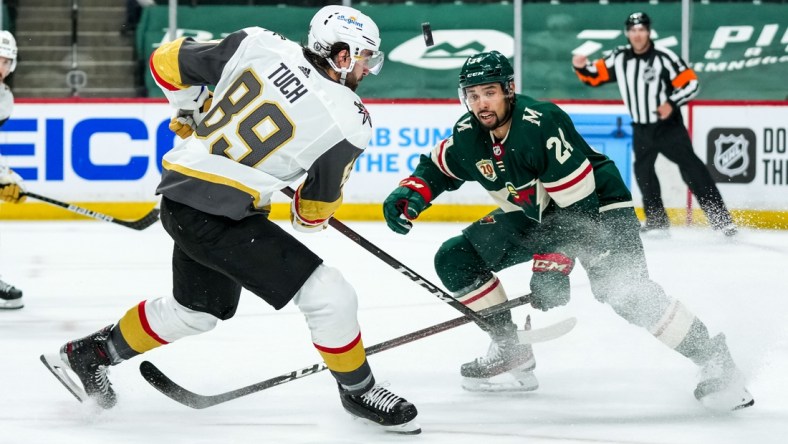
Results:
274 118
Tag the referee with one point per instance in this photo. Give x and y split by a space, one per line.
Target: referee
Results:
654 83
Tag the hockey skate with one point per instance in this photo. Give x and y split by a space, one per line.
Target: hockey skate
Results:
655 231
721 386
730 230
381 407
507 366
89 360
10 296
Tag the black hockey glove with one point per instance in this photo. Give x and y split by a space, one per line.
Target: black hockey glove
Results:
550 280
405 203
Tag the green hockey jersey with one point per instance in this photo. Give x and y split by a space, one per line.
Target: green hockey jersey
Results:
543 164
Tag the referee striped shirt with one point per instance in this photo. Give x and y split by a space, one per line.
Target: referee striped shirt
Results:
645 80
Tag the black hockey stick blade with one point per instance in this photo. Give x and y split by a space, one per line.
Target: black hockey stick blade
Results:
171 389
140 224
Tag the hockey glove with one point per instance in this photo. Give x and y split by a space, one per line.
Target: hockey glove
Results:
302 224
405 203
11 188
550 280
306 226
12 193
185 121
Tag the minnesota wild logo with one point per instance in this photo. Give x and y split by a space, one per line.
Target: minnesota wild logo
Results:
447 50
451 48
522 196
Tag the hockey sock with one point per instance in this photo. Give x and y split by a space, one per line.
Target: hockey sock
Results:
117 347
680 330
484 294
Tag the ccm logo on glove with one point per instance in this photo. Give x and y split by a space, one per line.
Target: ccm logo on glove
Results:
552 262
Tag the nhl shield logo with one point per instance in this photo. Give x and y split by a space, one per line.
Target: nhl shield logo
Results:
485 167
731 156
650 74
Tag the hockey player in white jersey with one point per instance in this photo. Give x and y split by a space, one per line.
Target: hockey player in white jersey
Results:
279 112
11 191
11 184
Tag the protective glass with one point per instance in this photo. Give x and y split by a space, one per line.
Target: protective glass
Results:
372 60
471 96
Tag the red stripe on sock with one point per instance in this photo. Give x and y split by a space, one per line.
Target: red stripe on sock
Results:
146 325
482 294
339 350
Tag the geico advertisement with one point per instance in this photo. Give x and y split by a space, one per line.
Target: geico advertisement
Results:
746 150
89 152
111 152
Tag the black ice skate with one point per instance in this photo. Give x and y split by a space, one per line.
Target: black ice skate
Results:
721 385
381 407
89 360
655 230
10 296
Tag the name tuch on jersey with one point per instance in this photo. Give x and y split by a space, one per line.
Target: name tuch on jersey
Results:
289 85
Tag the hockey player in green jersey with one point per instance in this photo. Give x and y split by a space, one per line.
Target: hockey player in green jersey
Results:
559 201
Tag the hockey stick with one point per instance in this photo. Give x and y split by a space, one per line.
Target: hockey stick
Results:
399 266
139 224
169 388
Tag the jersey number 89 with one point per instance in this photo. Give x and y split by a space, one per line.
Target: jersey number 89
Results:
262 131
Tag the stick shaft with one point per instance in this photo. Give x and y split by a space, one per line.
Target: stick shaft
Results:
400 267
140 224
168 387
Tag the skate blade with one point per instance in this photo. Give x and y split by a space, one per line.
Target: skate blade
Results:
11 304
523 382
728 400
409 428
58 368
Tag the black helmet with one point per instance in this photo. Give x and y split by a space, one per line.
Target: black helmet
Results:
638 18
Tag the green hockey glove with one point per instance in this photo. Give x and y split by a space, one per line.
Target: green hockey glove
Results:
550 280
405 203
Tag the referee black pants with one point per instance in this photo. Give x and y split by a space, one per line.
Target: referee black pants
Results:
671 139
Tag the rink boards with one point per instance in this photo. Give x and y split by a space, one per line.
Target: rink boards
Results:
106 154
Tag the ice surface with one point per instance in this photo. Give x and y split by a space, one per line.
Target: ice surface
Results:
605 382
